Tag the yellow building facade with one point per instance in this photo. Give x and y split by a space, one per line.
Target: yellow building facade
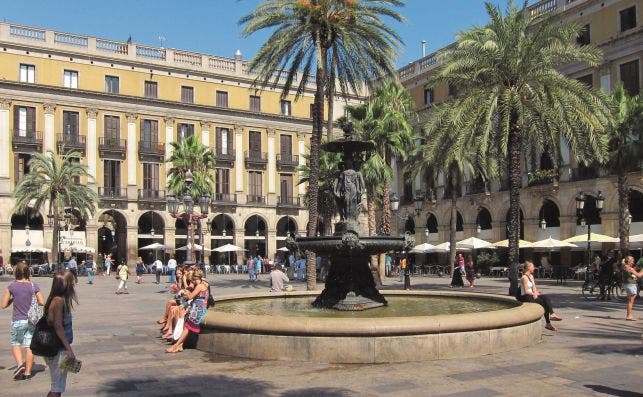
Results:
615 27
122 104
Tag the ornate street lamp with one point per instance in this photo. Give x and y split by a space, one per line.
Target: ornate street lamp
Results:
600 200
580 201
395 202
172 204
418 200
543 224
478 228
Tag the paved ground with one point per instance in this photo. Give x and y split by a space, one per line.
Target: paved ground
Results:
595 352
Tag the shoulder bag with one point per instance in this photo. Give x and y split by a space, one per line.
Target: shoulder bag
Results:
44 341
35 311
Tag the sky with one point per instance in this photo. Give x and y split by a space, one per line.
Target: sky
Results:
211 26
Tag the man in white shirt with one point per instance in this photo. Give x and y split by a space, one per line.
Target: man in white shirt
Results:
158 268
171 267
277 279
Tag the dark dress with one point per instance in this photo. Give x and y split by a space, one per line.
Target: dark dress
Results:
457 281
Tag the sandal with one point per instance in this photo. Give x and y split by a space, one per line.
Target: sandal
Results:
174 349
550 327
554 317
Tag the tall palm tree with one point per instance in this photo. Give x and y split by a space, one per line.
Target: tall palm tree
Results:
303 33
52 181
512 96
626 149
190 154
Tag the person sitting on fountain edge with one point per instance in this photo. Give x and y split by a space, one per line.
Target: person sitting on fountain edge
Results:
277 279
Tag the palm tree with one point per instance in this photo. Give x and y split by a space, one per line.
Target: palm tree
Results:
190 154
443 148
625 150
511 95
53 181
303 33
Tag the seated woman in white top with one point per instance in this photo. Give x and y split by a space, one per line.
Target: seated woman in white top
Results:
529 293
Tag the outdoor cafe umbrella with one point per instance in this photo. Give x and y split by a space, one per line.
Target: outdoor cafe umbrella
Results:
228 248
636 238
505 244
473 243
156 246
197 247
422 248
550 244
443 247
593 238
283 249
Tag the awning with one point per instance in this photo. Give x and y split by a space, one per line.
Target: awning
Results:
33 242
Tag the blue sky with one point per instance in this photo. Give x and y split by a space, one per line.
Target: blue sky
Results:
210 26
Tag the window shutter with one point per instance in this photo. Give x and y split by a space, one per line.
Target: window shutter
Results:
16 120
31 121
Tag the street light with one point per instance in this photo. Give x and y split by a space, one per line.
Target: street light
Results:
543 223
583 216
395 202
418 200
478 228
188 214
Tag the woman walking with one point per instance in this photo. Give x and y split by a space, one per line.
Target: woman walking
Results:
123 274
529 293
58 312
458 272
196 311
630 285
20 293
470 271
140 270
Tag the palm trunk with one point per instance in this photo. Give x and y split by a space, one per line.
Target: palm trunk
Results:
453 226
331 99
313 182
372 230
515 184
623 210
56 236
386 210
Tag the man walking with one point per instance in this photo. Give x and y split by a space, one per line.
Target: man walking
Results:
73 267
90 267
158 268
171 267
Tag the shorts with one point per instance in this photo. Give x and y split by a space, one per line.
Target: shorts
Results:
21 333
58 377
630 289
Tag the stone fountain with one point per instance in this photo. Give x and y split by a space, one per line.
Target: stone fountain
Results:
349 284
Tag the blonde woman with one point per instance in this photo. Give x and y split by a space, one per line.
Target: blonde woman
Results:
123 275
196 311
630 285
530 293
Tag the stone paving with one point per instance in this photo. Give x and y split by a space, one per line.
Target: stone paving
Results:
595 352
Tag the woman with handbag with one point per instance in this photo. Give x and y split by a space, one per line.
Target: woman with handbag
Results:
195 312
58 316
23 294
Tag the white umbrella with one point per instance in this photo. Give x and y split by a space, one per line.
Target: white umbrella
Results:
505 244
550 244
422 248
446 246
283 249
593 237
474 243
156 246
229 248
636 238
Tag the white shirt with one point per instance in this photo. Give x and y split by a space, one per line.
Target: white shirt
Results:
171 264
158 264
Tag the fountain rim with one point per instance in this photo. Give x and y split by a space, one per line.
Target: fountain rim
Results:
519 314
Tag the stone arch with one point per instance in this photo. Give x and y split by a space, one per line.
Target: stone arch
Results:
550 212
285 225
146 222
33 218
112 234
483 218
255 232
635 204
432 223
409 225
222 228
459 222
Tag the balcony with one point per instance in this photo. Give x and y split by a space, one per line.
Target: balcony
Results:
224 198
225 159
476 187
256 160
252 199
542 177
67 142
151 151
27 141
287 162
151 199
112 197
285 201
110 148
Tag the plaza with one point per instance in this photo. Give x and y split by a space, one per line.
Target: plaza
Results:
595 352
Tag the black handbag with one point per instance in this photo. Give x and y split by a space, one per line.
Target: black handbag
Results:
44 341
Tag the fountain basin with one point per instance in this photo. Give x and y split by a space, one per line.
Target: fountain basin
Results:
371 339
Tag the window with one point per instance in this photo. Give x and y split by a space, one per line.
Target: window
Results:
224 141
254 144
149 133
286 192
628 18
222 99
21 165
184 131
286 108
222 181
428 96
70 79
255 103
255 179
285 147
111 84
583 37
630 77
70 126
151 89
150 177
588 80
112 131
27 73
112 177
187 94
24 121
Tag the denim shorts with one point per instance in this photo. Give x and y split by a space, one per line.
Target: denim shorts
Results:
58 377
21 333
630 289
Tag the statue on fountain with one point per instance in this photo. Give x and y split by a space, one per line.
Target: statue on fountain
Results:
348 189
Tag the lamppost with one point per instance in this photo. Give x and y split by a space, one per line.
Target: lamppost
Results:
582 213
27 244
188 214
395 206
54 221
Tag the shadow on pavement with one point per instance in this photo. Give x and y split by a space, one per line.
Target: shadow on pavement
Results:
613 392
318 392
632 349
185 386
